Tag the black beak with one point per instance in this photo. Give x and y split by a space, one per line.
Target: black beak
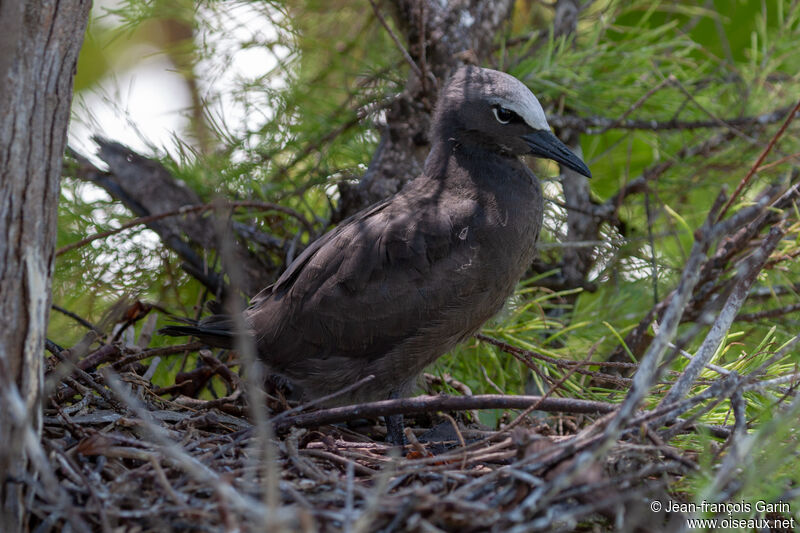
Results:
544 144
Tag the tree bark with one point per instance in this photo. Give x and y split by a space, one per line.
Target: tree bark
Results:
40 40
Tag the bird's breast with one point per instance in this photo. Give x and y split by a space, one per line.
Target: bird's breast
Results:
509 229
494 233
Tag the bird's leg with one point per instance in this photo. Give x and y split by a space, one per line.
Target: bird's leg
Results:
394 425
394 430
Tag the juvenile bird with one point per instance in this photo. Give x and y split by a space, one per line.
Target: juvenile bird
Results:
397 285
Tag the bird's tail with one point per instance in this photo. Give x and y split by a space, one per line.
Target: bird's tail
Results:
216 330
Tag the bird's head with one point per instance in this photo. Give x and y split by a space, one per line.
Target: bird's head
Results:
494 110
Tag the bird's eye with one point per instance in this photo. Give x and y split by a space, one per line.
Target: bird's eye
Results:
502 114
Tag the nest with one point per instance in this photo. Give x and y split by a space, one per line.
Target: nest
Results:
127 455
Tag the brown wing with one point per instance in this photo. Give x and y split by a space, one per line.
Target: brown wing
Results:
369 284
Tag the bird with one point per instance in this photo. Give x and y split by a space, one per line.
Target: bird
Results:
397 285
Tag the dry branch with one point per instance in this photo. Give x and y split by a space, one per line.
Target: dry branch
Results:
726 316
148 189
427 404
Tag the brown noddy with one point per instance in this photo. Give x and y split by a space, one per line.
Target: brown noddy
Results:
397 285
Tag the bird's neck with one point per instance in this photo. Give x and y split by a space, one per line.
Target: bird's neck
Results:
477 160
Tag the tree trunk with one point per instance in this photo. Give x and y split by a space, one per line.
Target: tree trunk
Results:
40 40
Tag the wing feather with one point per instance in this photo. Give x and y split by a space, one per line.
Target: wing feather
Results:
366 286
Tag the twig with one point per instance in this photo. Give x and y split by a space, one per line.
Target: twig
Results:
647 373
153 352
338 459
489 380
769 313
757 164
732 463
609 208
397 42
520 353
739 417
774 358
323 399
739 229
264 456
87 379
453 423
423 48
202 405
780 161
718 369
102 355
415 444
79 319
552 389
719 121
186 210
651 242
774 382
725 318
669 80
428 404
592 125
194 468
